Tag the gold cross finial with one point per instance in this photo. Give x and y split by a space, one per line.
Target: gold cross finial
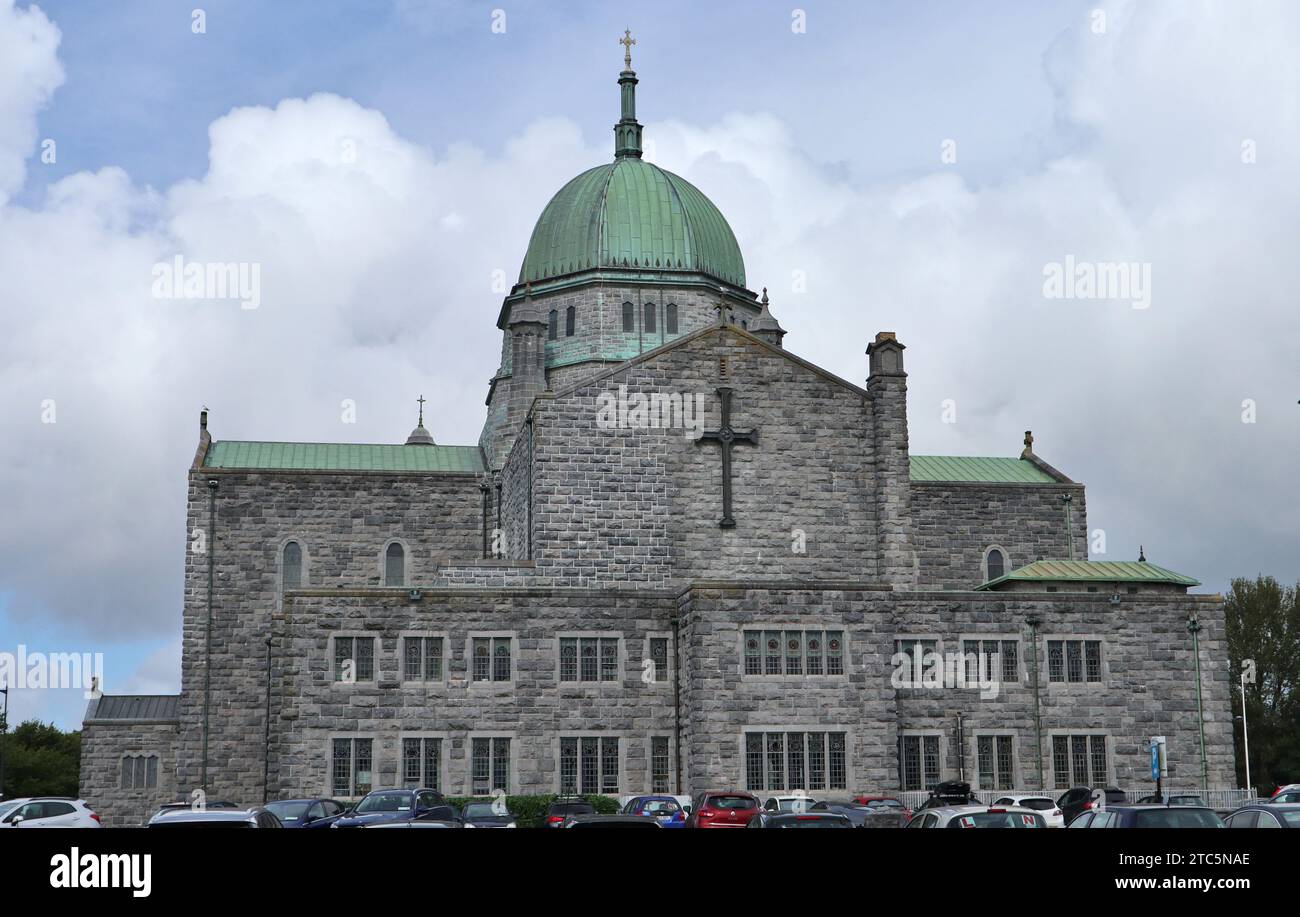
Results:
627 41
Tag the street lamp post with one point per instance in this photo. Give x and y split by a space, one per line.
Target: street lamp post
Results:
1245 733
4 738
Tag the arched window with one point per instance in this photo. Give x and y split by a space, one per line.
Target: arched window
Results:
629 317
395 565
995 564
553 325
670 318
744 323
569 316
291 566
648 322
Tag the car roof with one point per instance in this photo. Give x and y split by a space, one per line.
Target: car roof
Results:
171 815
1148 806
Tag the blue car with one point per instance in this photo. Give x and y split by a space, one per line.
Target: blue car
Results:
664 809
386 807
306 813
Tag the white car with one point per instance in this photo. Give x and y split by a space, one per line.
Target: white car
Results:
784 805
47 812
1043 804
978 817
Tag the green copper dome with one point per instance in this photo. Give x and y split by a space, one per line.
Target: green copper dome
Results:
631 214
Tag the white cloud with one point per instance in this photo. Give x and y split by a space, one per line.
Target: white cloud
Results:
29 74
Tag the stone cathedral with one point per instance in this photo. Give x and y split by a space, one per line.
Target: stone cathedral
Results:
680 557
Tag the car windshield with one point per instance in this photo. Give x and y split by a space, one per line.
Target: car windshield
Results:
385 802
1038 805
7 807
1292 819
731 802
482 810
287 811
884 804
997 820
659 807
1176 818
1186 801
573 808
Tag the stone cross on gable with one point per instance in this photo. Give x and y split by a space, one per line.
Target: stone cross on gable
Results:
727 437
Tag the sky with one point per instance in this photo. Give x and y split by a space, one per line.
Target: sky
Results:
913 167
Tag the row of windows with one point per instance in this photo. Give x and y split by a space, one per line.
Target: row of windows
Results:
1077 760
1068 661
796 760
582 658
649 320
293 570
767 653
588 764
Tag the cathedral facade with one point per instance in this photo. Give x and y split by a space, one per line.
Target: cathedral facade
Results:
679 558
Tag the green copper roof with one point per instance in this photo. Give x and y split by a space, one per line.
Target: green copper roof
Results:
1102 571
344 457
975 469
631 214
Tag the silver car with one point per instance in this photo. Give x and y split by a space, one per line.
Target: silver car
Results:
47 812
978 817
214 818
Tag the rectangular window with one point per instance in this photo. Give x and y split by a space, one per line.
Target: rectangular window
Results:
629 318
422 659
659 657
996 762
1079 760
793 652
354 659
608 765
649 310
422 763
659 764
139 772
492 659
1074 661
920 764
670 318
489 765
914 649
589 659
998 659
352 767
796 761
568 767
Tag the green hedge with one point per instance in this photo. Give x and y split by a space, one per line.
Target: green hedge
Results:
530 810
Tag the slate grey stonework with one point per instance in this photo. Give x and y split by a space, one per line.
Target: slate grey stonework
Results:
616 531
103 745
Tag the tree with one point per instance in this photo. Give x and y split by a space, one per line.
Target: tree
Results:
41 760
1263 631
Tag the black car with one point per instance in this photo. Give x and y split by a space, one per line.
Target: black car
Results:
306 813
862 816
564 808
486 815
1154 816
1181 799
799 820
1265 815
949 793
389 806
1083 798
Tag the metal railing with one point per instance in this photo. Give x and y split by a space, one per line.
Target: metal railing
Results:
1217 798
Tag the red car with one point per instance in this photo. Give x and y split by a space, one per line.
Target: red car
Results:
883 804
722 809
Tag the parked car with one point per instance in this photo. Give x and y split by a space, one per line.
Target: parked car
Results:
974 816
563 808
612 821
863 816
49 812
1265 815
950 793
769 819
306 813
1179 800
381 806
1052 813
214 818
1287 793
443 816
722 809
1150 816
1083 799
882 802
664 809
486 815
795 803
